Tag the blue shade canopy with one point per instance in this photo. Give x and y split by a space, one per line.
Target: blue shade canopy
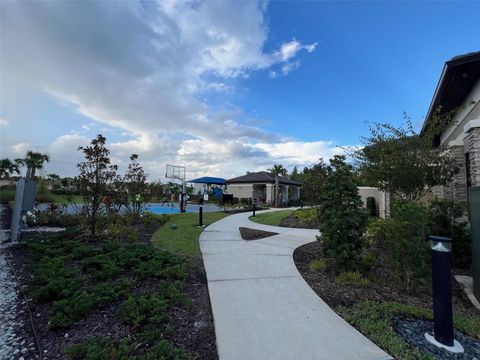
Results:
208 180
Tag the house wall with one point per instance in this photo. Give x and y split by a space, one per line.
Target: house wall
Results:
264 193
382 199
240 190
463 136
472 146
468 111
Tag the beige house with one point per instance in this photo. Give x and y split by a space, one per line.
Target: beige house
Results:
459 90
260 186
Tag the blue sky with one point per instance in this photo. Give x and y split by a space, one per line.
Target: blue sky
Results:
219 87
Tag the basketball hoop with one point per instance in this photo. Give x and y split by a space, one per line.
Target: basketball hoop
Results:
175 172
178 172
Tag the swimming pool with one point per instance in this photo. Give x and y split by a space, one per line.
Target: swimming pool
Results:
157 208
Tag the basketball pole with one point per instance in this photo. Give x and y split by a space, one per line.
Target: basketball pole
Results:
183 198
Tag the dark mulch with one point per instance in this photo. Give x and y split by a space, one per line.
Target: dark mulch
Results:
381 288
252 234
192 326
413 330
294 221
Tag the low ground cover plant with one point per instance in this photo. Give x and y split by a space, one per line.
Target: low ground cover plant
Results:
307 216
318 265
74 277
353 278
375 320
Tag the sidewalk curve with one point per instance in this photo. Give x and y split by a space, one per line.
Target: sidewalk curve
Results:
262 307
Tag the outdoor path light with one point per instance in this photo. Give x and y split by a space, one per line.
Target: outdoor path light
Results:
442 296
253 207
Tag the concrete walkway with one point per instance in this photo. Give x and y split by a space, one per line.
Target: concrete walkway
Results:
262 307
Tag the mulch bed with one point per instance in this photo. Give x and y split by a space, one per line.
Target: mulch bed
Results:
380 288
413 331
192 327
252 234
293 221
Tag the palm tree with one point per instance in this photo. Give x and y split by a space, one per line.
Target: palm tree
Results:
278 169
33 161
8 167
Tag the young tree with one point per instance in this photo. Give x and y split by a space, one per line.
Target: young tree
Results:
342 219
95 174
401 161
135 181
33 161
278 169
312 180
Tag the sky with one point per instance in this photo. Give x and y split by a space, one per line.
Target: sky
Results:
219 87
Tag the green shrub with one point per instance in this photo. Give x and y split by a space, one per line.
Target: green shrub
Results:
445 219
164 350
101 267
100 348
54 281
353 278
138 311
318 265
66 311
371 206
343 221
368 262
307 216
402 239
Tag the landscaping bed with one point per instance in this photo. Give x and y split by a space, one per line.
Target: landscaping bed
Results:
301 218
373 304
253 234
115 297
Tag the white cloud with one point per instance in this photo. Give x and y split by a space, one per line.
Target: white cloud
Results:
300 152
290 49
141 68
19 150
289 67
3 122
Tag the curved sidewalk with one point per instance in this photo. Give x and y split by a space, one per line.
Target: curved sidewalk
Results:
262 307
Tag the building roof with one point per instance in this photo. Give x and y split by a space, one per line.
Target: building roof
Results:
458 77
208 180
262 177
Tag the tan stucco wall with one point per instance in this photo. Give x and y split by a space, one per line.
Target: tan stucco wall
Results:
240 191
382 200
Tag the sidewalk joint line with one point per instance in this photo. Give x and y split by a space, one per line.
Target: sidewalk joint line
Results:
256 278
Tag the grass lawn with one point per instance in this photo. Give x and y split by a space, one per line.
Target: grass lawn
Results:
184 239
62 199
271 218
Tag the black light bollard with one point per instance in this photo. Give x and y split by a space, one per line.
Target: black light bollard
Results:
442 295
253 207
200 216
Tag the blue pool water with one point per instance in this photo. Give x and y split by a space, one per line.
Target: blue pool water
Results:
166 209
155 208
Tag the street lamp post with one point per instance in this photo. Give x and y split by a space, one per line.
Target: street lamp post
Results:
442 296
